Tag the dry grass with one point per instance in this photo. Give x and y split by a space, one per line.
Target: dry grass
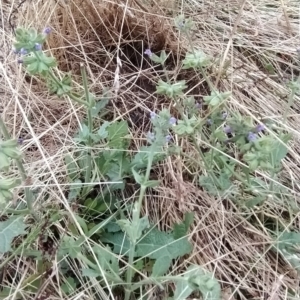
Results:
243 37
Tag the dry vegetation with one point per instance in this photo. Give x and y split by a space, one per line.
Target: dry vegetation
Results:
254 41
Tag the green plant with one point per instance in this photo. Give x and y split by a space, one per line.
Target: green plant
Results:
141 242
127 242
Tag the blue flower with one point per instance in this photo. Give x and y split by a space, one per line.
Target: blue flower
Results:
209 121
47 30
37 47
23 51
251 137
173 121
148 52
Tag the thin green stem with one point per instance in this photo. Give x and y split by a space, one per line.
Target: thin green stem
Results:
28 194
90 126
290 102
129 273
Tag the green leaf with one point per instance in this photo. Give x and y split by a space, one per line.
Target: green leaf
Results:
69 247
134 230
151 183
82 223
279 149
137 177
161 266
10 229
107 260
90 273
75 189
287 244
197 279
102 132
180 230
156 244
119 240
117 132
72 168
196 59
99 106
171 90
69 285
216 98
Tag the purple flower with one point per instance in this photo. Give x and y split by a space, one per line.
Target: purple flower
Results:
209 122
20 61
148 52
173 121
20 141
153 115
47 30
227 129
37 47
23 51
251 137
168 138
260 127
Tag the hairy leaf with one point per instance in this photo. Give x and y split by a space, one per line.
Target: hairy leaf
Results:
156 244
117 131
197 279
180 230
10 229
161 266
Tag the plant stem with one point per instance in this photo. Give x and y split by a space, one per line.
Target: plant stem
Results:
290 102
28 194
90 126
129 273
